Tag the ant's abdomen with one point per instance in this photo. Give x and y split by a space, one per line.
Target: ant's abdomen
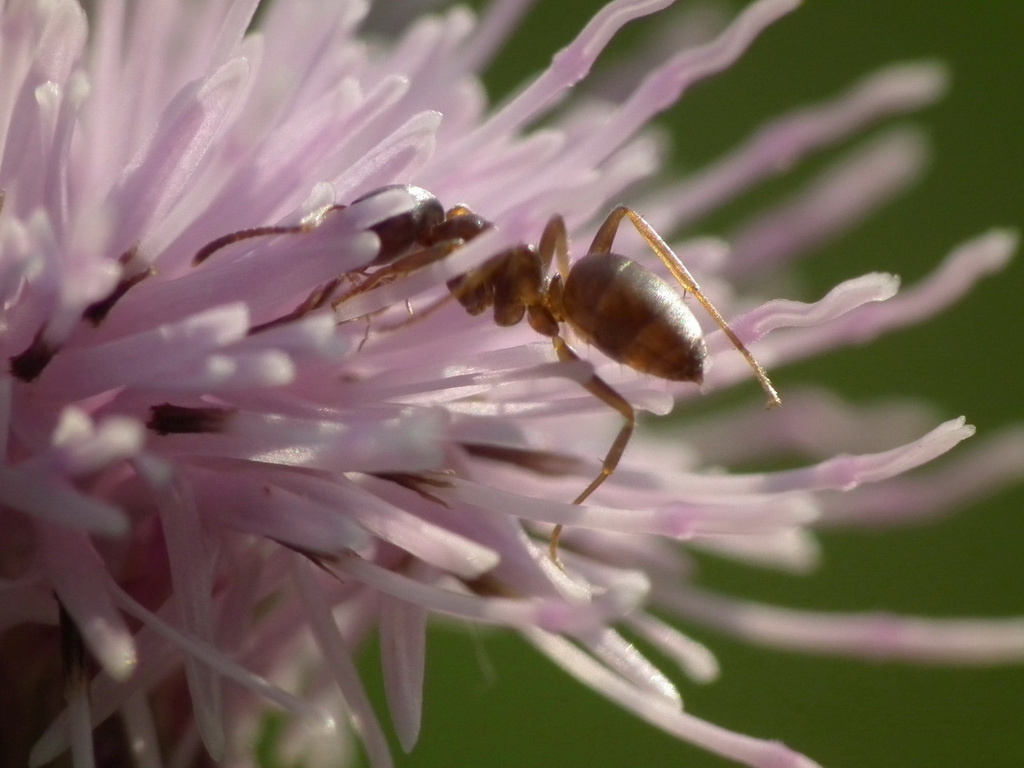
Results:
634 317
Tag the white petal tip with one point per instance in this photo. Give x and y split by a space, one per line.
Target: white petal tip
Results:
997 246
918 82
120 661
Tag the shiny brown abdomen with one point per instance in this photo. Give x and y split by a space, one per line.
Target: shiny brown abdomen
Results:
634 317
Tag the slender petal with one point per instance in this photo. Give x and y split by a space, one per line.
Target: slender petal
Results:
268 392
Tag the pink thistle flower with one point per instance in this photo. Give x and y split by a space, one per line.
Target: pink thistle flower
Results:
229 460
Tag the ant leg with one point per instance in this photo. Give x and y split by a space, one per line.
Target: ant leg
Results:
415 260
245 234
603 392
321 295
603 244
474 290
316 299
554 241
430 309
414 317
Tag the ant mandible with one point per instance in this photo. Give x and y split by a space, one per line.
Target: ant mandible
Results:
612 302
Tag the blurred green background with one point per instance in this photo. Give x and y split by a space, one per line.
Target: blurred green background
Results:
491 701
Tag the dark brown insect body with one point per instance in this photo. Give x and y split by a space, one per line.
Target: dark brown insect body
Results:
656 332
610 301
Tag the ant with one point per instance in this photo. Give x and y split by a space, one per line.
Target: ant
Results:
612 302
